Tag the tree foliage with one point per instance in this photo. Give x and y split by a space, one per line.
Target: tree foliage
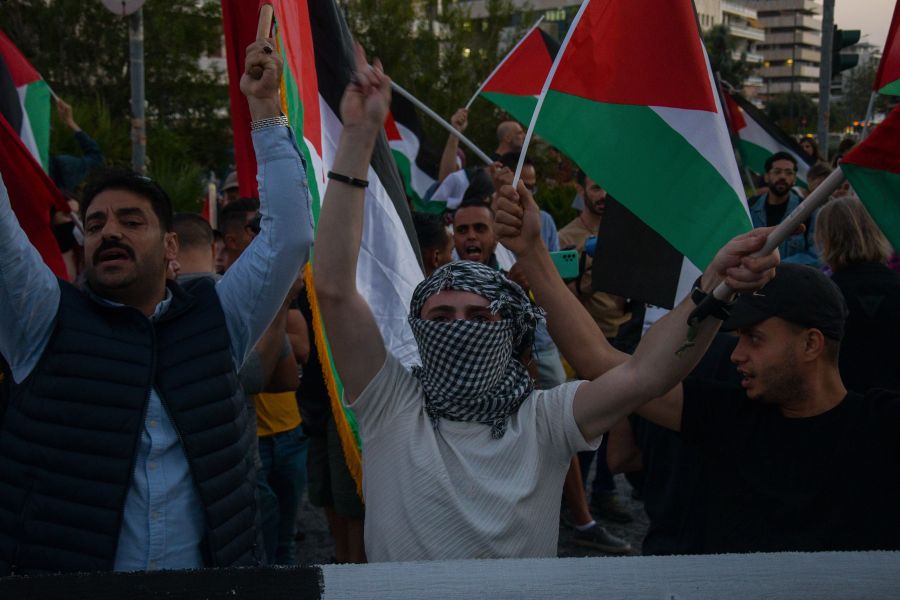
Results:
794 112
81 49
720 47
439 53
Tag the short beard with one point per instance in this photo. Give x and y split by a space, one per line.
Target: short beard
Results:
783 384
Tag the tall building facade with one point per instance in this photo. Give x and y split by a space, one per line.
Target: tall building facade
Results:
792 50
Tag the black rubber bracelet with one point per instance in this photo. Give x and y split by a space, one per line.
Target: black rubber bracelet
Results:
360 183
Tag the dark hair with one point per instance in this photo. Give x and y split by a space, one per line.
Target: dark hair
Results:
580 177
234 216
818 170
430 230
780 156
193 231
129 181
481 187
511 160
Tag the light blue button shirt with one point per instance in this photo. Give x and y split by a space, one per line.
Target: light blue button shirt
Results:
163 524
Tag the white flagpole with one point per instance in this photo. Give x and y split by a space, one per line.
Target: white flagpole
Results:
547 82
502 62
442 122
869 116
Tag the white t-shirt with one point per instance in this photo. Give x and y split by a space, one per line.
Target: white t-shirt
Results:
452 189
455 492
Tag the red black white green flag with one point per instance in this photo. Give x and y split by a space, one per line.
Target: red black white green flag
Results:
887 80
873 168
637 109
516 82
758 137
416 158
315 43
25 100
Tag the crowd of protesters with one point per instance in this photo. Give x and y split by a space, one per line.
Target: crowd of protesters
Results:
168 410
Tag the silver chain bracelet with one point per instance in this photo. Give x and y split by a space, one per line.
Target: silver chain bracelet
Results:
279 121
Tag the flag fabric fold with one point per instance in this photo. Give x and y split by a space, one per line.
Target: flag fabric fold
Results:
873 168
314 40
758 138
887 80
417 160
25 101
32 194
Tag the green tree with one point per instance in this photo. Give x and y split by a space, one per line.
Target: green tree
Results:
793 112
721 48
81 49
439 53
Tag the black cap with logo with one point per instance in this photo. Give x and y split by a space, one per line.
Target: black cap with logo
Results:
799 294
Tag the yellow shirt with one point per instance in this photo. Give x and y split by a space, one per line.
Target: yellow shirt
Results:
276 413
607 310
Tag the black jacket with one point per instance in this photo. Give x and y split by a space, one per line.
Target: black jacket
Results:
71 429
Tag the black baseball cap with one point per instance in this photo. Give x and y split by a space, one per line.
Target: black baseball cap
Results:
799 294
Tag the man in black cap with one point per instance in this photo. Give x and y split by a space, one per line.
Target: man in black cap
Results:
792 461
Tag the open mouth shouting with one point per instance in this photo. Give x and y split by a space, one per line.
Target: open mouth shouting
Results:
473 252
113 255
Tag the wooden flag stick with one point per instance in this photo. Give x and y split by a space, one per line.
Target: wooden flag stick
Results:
266 15
263 31
442 122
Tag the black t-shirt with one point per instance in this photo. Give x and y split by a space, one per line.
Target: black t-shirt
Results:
312 395
673 471
828 482
775 213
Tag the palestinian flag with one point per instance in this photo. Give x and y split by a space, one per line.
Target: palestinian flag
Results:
758 138
25 100
636 108
887 81
417 160
31 194
515 83
873 168
316 45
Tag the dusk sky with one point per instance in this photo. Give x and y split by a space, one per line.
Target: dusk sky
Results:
873 17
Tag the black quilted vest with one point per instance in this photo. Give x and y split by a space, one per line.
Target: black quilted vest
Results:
70 433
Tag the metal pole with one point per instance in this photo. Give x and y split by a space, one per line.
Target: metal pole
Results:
825 74
136 59
442 122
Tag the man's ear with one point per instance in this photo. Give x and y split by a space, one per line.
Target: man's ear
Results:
171 242
813 344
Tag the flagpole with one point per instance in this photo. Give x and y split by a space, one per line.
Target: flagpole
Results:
502 62
785 229
869 116
547 82
442 122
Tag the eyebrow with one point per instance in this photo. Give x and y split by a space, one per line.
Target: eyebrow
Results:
119 212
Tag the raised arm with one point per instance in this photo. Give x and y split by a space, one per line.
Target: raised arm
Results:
255 286
356 344
660 362
460 121
29 295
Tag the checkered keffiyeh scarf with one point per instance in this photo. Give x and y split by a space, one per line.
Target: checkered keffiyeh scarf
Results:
469 371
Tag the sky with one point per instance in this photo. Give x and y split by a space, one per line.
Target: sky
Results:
873 17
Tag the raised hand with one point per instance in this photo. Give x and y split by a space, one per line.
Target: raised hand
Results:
261 81
517 219
460 119
367 98
65 113
735 265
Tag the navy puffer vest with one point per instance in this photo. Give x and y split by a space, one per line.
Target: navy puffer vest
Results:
69 437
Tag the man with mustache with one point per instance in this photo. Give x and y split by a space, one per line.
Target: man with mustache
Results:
770 208
125 444
462 458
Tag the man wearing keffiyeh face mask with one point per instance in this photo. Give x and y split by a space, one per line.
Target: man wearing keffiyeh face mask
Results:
470 369
462 458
